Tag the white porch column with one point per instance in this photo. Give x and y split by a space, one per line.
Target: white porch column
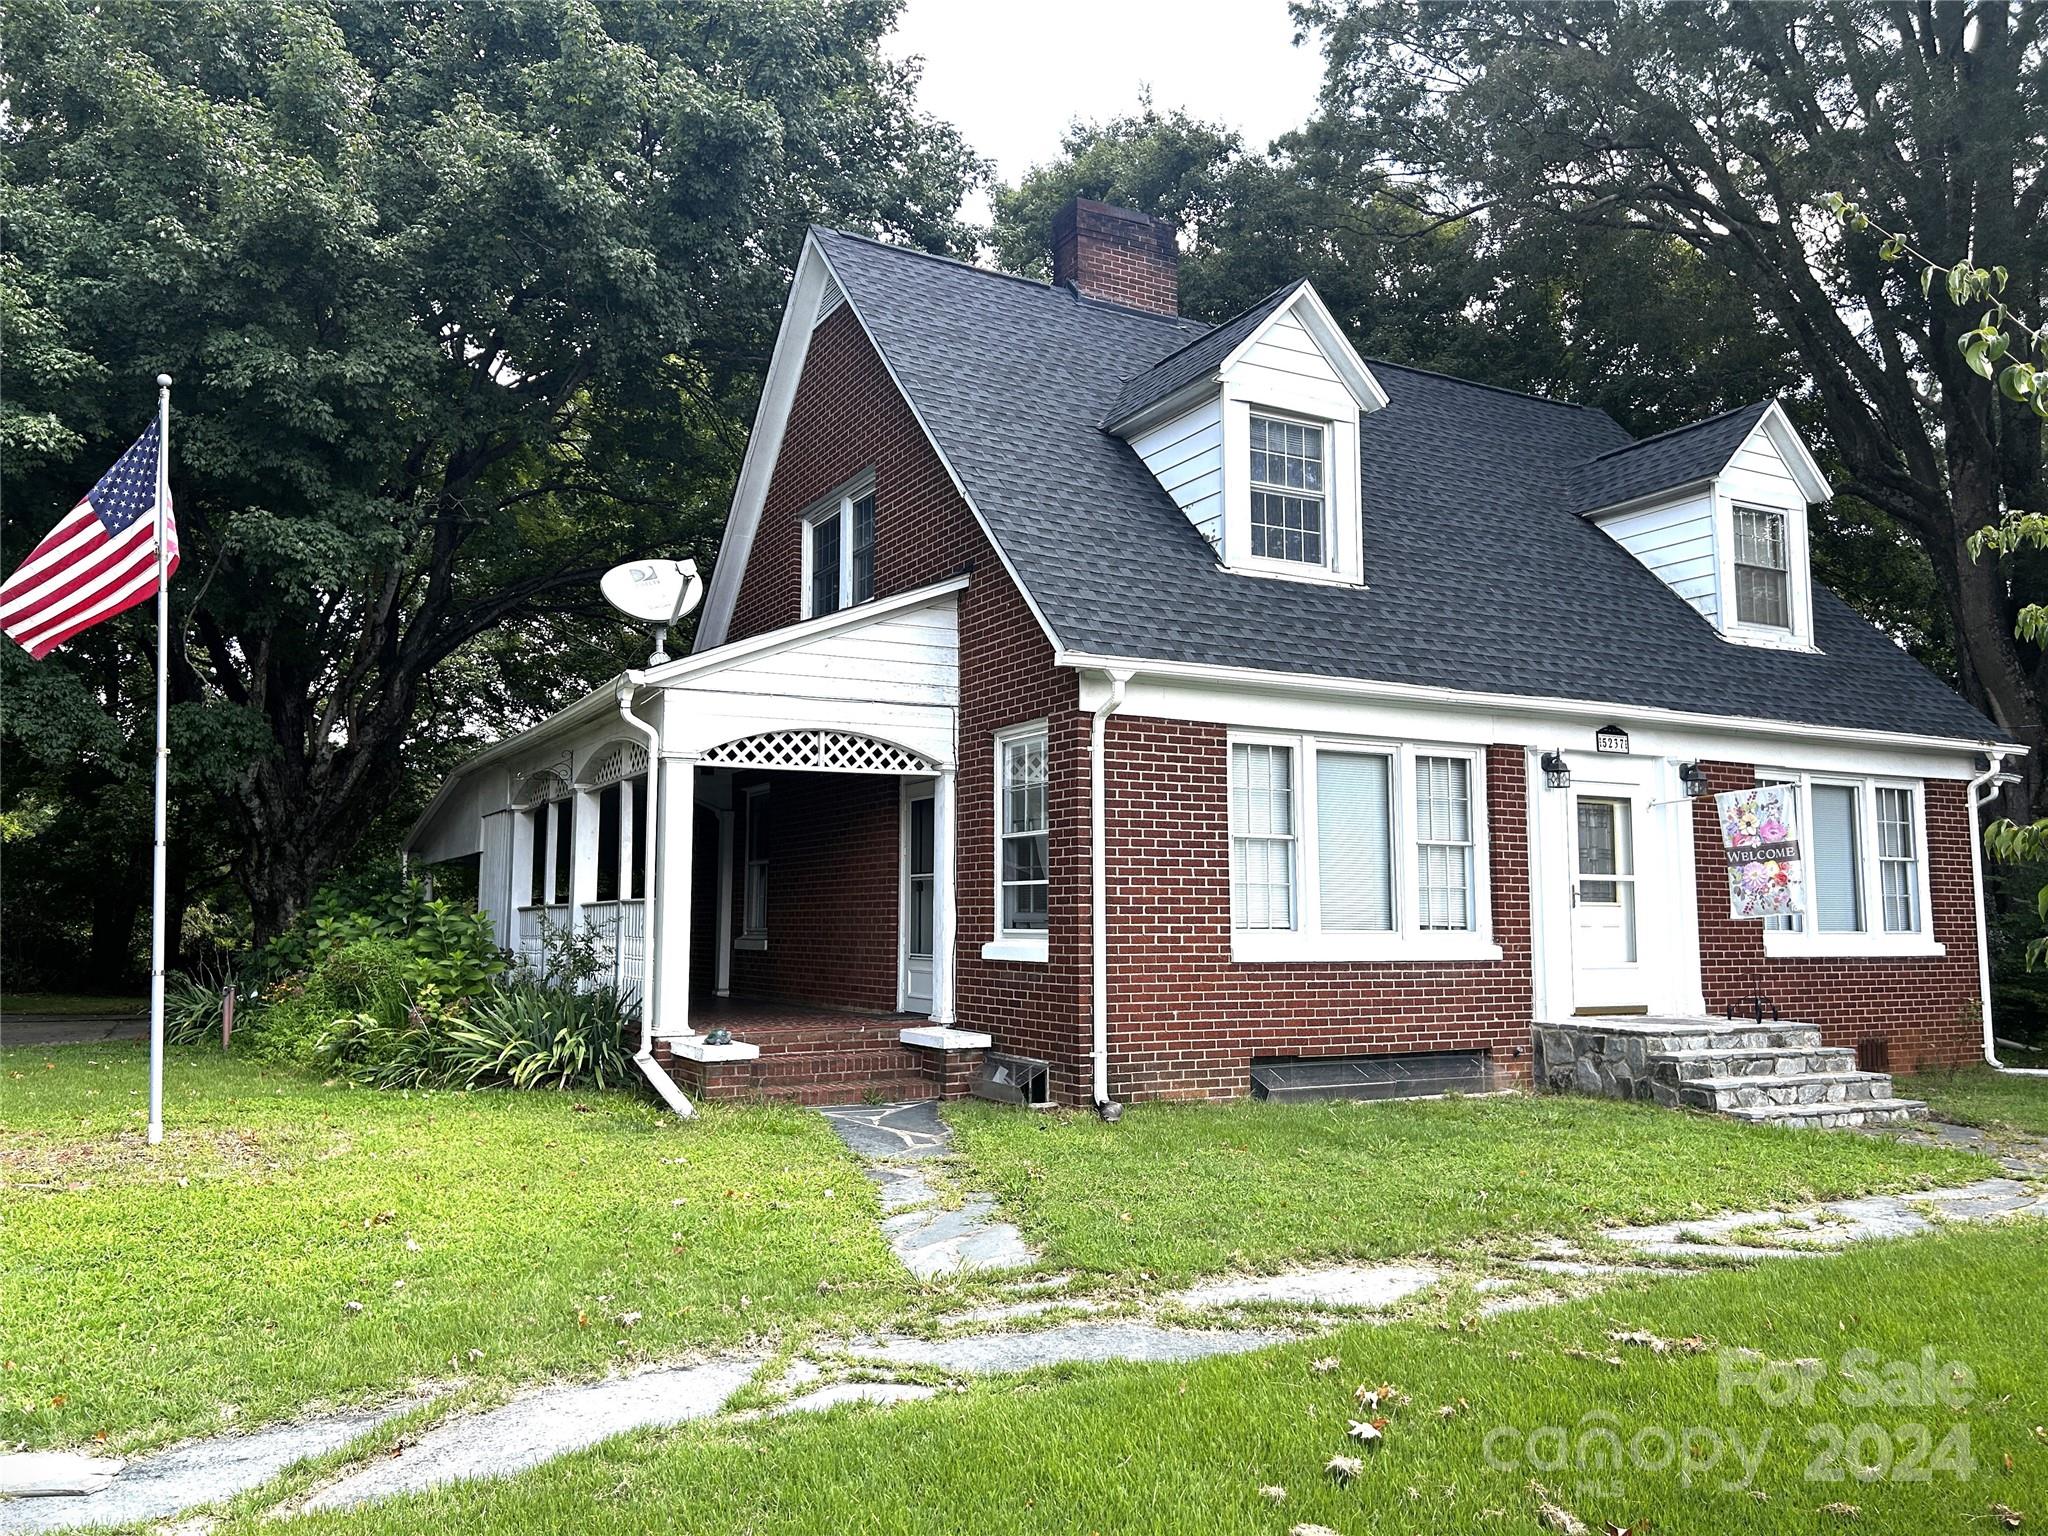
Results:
678 826
723 967
583 873
942 898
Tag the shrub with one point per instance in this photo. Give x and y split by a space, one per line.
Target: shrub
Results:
191 1010
402 1049
536 1034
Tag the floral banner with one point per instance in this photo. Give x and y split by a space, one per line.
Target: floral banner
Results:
1760 831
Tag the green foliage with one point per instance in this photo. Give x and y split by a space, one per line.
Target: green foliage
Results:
192 1010
532 1034
465 302
444 944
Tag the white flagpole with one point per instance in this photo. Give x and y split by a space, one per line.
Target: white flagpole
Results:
163 759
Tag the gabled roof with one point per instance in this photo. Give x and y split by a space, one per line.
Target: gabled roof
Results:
1481 577
1198 359
1685 455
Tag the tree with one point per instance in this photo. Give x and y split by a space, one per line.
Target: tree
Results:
465 301
1721 126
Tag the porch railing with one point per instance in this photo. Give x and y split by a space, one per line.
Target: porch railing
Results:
618 930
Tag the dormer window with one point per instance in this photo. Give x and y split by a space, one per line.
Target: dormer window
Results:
839 552
1289 513
1763 586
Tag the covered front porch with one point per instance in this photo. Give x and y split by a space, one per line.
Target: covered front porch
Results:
756 846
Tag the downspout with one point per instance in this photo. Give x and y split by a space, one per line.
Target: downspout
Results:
671 1093
1098 893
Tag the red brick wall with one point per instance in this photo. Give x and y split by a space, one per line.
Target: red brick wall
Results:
1185 1021
846 418
833 887
1926 1008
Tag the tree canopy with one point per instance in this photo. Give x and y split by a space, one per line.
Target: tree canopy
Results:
464 303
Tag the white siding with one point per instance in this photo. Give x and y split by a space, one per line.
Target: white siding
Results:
1756 476
1185 456
1285 349
1676 542
494 892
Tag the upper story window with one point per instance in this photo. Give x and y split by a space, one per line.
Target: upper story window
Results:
839 552
1288 491
1763 582
1353 850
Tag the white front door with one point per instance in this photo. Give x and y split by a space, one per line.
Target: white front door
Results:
919 890
1605 902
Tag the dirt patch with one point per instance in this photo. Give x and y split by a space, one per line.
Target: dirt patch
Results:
32 1161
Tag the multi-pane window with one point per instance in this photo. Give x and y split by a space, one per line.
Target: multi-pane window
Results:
1289 499
1262 835
1022 830
1863 866
1898 861
754 915
1763 590
1343 839
1443 842
839 553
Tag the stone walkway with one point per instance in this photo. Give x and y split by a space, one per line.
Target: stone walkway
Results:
1033 1320
895 1141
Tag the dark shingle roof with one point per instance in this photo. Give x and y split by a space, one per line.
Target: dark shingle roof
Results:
1201 356
1682 456
1482 577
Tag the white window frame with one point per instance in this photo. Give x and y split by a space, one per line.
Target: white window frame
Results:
1797 635
1325 495
1407 940
836 508
1737 511
750 936
1029 945
1343 524
1807 941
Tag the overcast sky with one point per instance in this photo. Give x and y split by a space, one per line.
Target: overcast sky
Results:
1013 76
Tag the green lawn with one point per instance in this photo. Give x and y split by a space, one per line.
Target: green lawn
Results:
1181 1189
1980 1096
296 1241
68 1003
1176 1449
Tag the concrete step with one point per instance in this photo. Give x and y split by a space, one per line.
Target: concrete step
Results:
1758 1061
1832 1116
1782 1089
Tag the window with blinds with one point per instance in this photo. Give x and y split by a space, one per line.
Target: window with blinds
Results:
1834 859
1355 840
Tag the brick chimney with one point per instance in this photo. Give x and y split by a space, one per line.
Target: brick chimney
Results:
1118 255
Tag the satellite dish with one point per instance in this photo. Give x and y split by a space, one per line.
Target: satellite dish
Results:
656 592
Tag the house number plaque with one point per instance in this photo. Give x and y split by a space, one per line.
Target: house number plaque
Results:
1611 738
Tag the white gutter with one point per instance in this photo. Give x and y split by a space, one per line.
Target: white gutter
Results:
1098 892
1982 788
671 1094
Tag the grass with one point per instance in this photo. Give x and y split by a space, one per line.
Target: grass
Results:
15 1003
1979 1096
1175 1190
293 1240
1159 1449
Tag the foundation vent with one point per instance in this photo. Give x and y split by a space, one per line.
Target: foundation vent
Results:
1421 1076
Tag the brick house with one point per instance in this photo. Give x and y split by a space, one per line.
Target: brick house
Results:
1170 706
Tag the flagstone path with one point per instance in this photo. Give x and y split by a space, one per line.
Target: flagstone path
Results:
1036 1323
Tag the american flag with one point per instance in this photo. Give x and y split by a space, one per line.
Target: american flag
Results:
96 563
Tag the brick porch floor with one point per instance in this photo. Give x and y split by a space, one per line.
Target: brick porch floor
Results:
808 1055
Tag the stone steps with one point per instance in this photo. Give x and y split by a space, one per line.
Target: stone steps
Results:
1781 1089
1830 1117
1772 1073
1765 1061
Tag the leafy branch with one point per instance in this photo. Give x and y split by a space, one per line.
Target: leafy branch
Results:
1990 342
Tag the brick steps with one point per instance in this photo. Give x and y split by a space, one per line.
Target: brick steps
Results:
812 1056
1771 1074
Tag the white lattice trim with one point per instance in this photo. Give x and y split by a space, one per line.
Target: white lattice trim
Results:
620 760
530 788
836 751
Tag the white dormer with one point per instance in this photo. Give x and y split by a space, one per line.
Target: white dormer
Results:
1728 531
1253 430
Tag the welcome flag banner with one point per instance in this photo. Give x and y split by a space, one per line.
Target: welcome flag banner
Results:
1760 833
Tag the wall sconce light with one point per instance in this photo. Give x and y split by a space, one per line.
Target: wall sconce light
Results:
1557 773
1694 778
